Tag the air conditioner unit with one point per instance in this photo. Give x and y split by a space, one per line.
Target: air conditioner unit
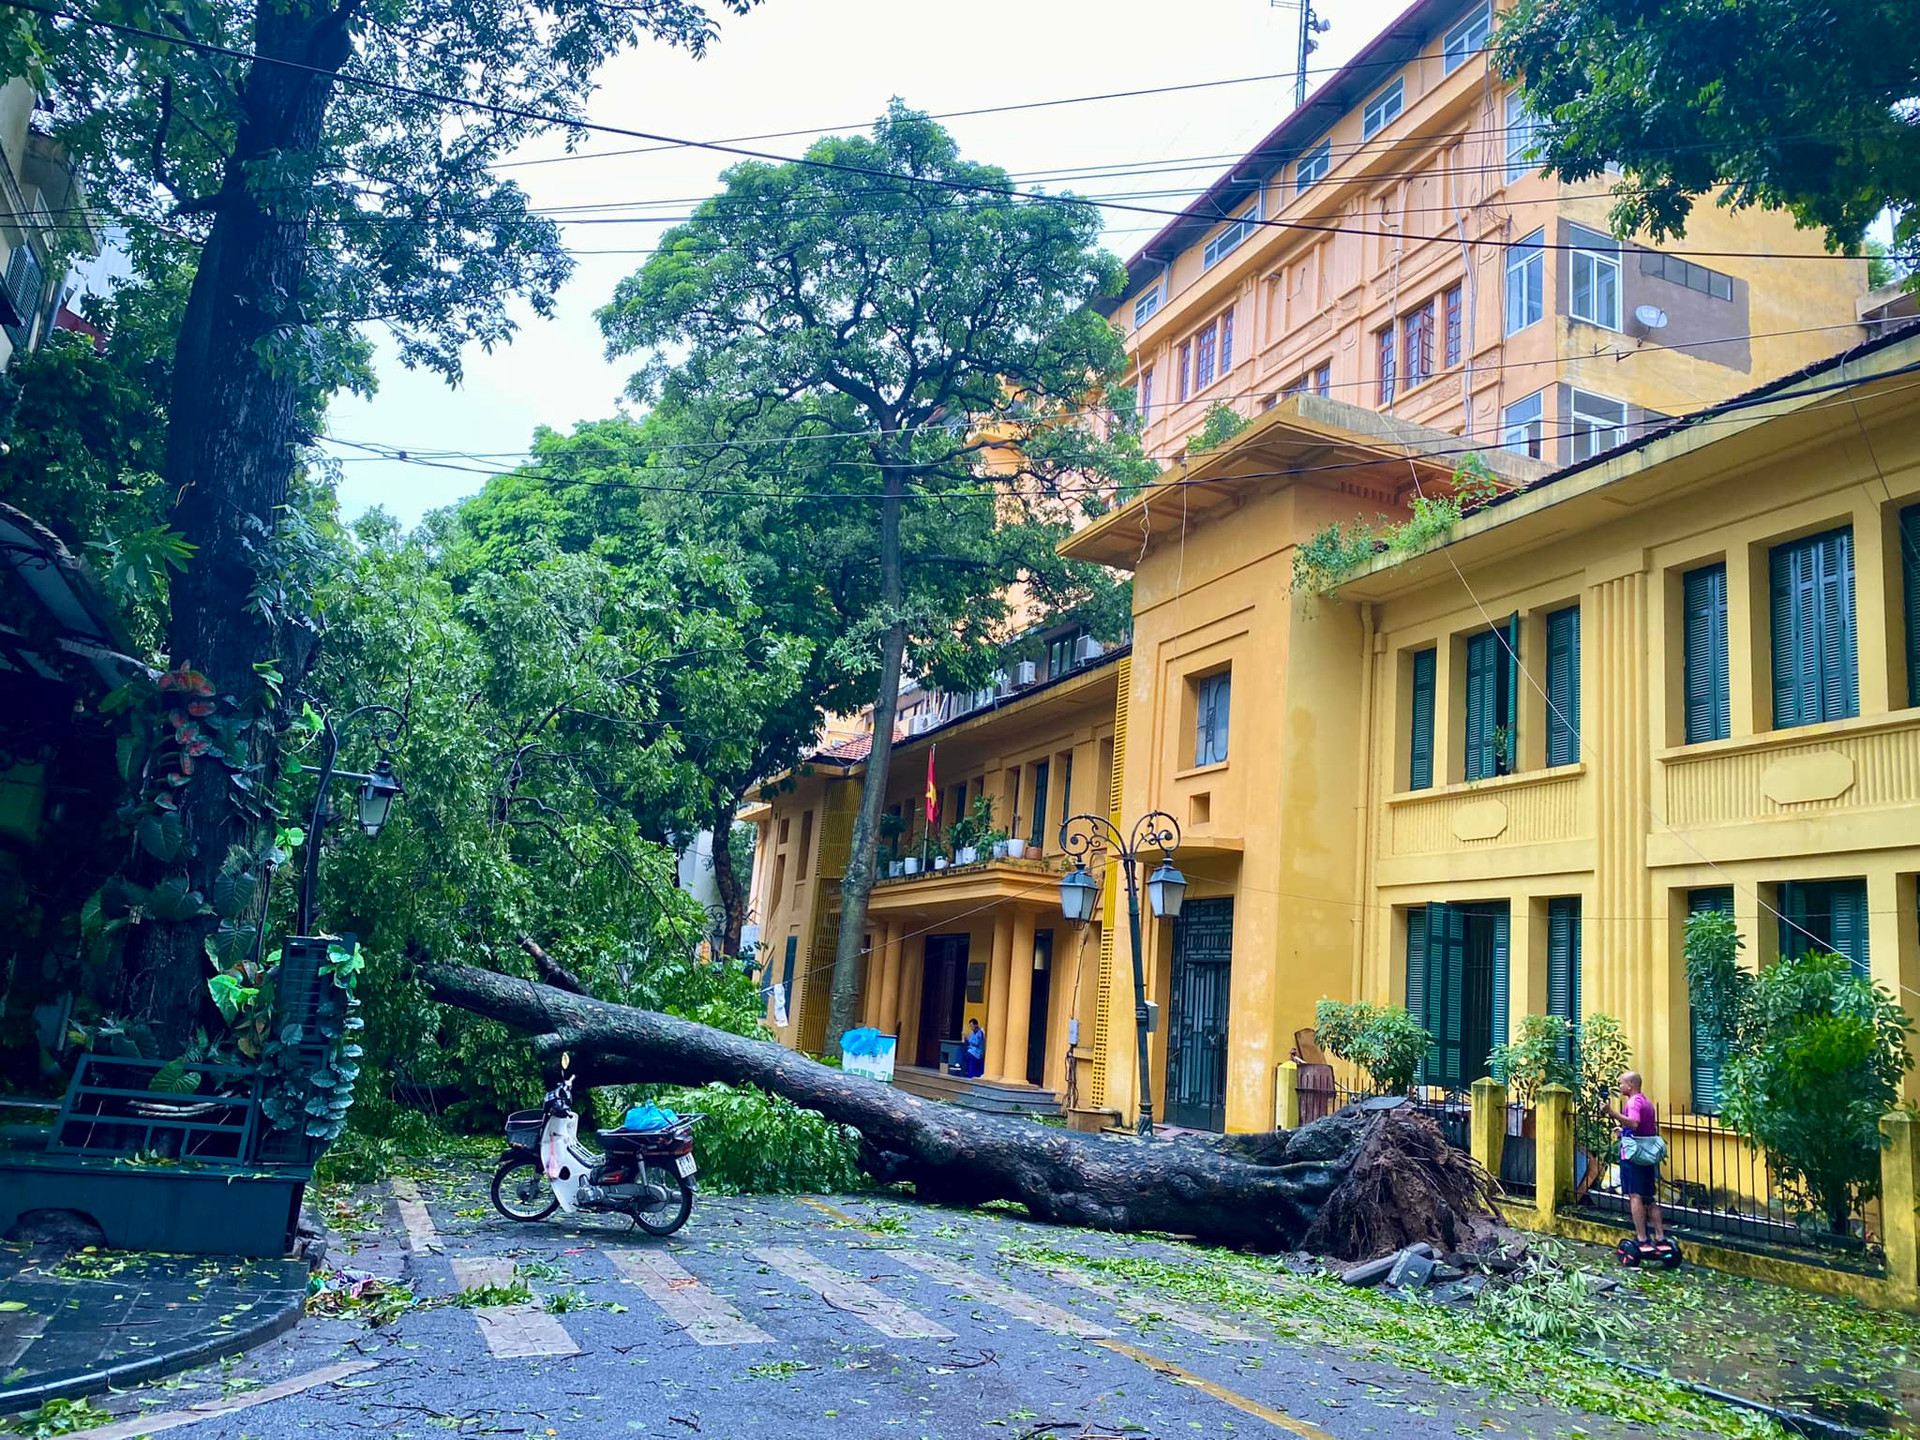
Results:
1086 649
1002 683
1026 673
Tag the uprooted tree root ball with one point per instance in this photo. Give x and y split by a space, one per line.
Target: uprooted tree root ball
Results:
1358 1183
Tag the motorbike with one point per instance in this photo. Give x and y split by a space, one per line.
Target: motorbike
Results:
644 1174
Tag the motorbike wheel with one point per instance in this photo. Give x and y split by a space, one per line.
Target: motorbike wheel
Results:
521 1192
669 1217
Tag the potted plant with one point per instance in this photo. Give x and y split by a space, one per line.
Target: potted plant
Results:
1016 842
963 836
939 862
1384 1041
892 826
910 865
1535 1060
1603 1055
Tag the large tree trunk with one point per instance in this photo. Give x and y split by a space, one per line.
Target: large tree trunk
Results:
232 431
1268 1191
733 894
856 882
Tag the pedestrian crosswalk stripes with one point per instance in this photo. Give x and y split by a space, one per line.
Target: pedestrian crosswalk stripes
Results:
884 1313
523 1332
1004 1297
706 1317
1134 1305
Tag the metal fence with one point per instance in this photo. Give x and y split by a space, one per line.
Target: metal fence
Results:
1715 1186
1518 1154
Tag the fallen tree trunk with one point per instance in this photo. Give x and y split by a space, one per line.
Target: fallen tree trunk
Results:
1320 1185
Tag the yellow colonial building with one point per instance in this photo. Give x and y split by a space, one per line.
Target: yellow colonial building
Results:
1392 244
955 936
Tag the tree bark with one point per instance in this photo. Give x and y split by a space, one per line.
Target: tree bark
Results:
856 881
231 434
1265 1191
733 895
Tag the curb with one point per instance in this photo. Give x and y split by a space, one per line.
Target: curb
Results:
72 1384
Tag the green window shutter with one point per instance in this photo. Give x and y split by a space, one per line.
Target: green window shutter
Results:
1563 686
1796 934
1483 654
1417 967
1815 659
1040 801
786 969
1563 962
1847 927
1446 964
1502 969
1420 757
1705 603
1910 573
1707 1056
1510 693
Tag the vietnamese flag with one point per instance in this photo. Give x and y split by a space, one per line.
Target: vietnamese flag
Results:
933 792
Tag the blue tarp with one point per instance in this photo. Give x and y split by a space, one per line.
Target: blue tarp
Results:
864 1041
647 1116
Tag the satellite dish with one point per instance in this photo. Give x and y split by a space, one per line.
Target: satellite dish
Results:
1651 317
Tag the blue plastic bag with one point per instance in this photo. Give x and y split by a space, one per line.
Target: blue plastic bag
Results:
647 1116
863 1041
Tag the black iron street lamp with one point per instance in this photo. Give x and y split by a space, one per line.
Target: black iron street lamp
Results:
1166 891
376 795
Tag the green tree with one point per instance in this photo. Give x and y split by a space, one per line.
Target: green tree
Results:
1758 102
917 341
316 202
1819 1062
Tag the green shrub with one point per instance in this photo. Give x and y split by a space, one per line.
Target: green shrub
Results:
1385 1041
755 1143
1540 1057
1720 990
1819 1061
1604 1057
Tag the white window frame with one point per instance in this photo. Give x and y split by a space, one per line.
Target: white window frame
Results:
1311 168
1148 304
1594 256
1523 425
1232 235
1591 432
1384 108
1466 39
1523 138
1524 255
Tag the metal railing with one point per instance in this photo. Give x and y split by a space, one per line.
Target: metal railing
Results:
111 1108
1714 1185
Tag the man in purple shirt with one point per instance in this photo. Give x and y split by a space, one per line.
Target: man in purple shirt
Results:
1636 1116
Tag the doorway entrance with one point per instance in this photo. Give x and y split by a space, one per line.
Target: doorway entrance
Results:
1037 1015
1197 1015
943 998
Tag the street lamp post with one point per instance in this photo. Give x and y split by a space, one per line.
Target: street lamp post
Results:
1166 890
376 795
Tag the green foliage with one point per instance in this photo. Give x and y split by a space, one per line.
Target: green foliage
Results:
1720 989
310 1093
1550 1298
60 1417
486 1297
1385 1041
383 1139
1818 1065
1604 1056
755 1143
1536 1059
1669 103
1335 553
1331 554
1218 426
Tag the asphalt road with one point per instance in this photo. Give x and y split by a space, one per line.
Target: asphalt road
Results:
785 1318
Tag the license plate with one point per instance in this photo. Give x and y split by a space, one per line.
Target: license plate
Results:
685 1166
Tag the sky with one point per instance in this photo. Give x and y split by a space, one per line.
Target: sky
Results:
824 66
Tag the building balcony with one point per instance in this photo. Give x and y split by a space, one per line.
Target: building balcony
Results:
1844 785
1033 880
1513 820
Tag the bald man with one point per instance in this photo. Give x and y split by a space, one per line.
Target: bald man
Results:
1636 1116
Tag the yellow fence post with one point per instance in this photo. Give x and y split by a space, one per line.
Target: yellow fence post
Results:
1900 1206
1286 1096
1553 1149
1489 1123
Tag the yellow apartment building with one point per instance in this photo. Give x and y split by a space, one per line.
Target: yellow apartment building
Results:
953 942
1493 779
1390 244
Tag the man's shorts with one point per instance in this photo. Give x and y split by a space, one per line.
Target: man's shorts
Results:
1638 1179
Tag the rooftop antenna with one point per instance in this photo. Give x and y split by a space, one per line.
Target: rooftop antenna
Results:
1310 26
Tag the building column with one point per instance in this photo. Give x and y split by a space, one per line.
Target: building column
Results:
997 987
1019 999
889 1017
1893 947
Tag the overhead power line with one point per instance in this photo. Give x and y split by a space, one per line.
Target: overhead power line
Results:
518 112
